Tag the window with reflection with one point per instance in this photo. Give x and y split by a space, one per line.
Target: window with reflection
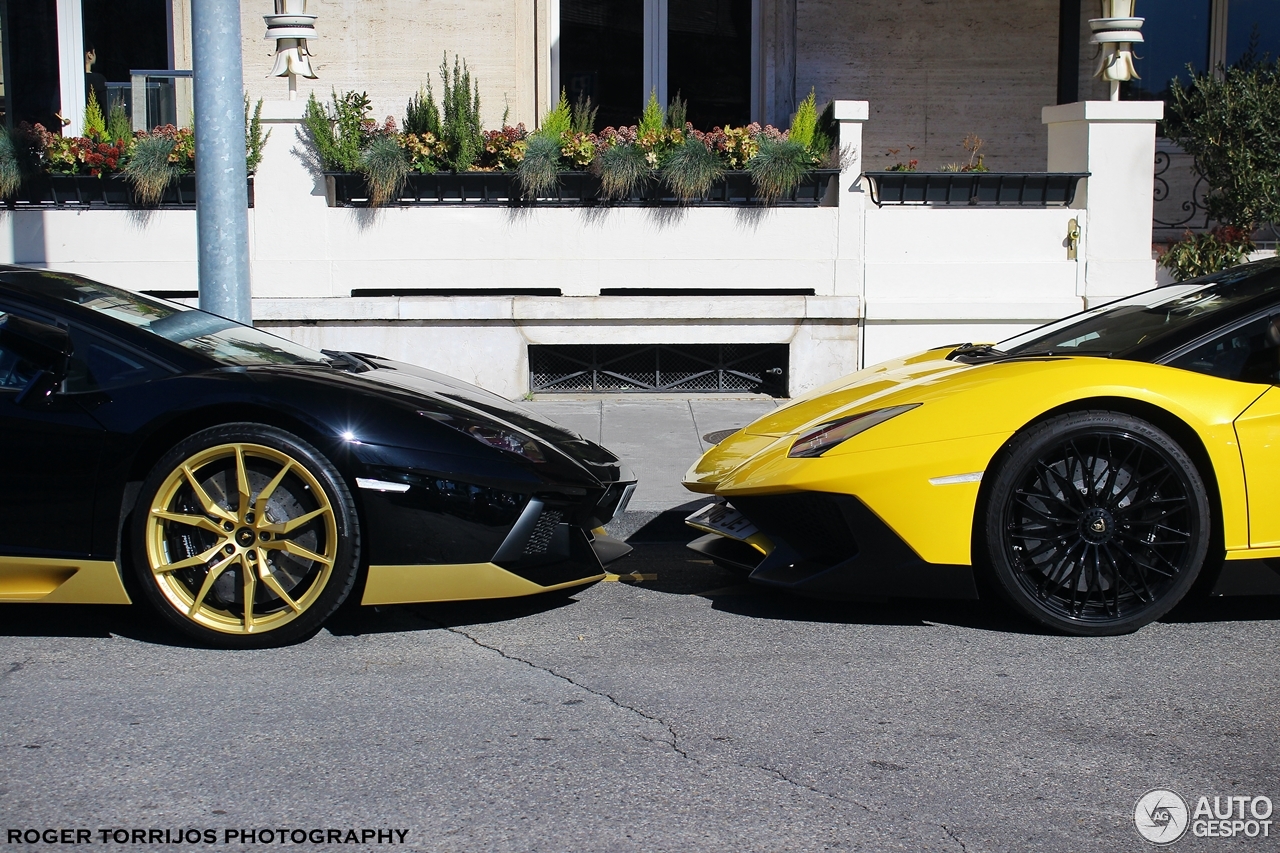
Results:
1180 38
707 57
1176 34
602 56
709 60
1253 27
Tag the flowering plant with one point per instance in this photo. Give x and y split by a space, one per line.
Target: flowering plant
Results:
504 149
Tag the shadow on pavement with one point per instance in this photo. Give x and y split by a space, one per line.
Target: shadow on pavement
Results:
683 572
133 621
357 620
678 571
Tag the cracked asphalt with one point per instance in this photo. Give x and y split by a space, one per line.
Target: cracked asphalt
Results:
690 713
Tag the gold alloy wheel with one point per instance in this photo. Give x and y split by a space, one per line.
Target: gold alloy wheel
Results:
241 538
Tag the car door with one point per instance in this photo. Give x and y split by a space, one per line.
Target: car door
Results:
1259 432
49 455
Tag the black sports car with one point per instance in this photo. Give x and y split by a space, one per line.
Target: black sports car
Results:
245 485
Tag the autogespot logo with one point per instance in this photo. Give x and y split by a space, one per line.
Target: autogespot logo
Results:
1161 816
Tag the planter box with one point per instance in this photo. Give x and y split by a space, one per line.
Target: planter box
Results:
348 189
105 193
994 189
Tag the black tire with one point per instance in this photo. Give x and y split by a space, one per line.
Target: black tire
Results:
245 512
1097 523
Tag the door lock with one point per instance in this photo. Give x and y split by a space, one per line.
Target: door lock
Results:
1073 239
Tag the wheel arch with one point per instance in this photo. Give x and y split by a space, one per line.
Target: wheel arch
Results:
1178 429
158 442
161 440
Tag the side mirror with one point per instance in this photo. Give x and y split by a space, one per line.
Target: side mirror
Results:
47 347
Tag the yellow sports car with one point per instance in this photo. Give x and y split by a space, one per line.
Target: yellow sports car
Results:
1088 471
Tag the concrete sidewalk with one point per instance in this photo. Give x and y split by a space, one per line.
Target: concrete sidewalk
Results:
659 436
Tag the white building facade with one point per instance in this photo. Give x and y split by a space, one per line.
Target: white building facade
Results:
481 290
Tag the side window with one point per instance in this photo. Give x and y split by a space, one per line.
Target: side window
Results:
15 371
98 364
1249 353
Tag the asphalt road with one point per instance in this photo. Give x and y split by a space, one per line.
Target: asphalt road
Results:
690 713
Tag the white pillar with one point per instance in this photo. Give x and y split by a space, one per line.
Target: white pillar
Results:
1115 142
850 198
71 66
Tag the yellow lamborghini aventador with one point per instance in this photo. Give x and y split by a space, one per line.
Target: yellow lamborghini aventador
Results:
1088 471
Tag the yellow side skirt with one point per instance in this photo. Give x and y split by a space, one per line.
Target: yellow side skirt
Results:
461 582
52 581
1254 554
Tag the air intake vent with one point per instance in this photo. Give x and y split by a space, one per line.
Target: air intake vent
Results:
540 538
630 368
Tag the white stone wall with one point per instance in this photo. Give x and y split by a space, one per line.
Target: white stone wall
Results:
886 281
935 71
389 48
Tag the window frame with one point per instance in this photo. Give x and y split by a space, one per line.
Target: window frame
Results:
657 55
1207 338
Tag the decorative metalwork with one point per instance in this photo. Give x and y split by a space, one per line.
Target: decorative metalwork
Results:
625 368
1192 214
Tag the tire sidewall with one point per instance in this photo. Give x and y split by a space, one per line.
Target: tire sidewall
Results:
346 562
1020 452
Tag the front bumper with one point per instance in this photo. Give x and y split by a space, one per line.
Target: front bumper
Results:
432 538
831 545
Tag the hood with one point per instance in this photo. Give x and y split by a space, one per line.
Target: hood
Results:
448 393
858 391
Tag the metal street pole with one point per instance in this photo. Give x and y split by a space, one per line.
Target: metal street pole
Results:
222 220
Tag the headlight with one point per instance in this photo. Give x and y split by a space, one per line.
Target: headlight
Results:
490 434
819 441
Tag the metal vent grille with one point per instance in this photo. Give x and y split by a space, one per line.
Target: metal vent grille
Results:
627 368
540 538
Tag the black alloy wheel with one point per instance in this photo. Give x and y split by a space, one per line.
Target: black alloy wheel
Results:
245 536
1097 523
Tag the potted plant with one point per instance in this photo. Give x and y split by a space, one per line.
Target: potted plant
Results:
970 183
110 165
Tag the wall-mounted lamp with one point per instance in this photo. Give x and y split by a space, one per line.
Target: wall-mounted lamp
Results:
1115 34
291 26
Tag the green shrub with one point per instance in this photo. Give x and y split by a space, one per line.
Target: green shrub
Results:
1200 254
691 168
337 134
254 138
652 121
119 125
422 116
10 165
558 122
583 118
804 124
95 124
623 169
386 168
536 173
149 169
460 127
1229 122
778 167
677 113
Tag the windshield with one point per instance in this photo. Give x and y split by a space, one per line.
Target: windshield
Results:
1126 323
218 338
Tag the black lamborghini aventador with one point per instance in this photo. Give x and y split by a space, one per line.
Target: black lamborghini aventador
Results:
245 486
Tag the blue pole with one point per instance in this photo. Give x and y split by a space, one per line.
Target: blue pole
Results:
222 220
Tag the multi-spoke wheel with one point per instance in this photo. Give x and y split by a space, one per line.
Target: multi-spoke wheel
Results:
245 536
1097 523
